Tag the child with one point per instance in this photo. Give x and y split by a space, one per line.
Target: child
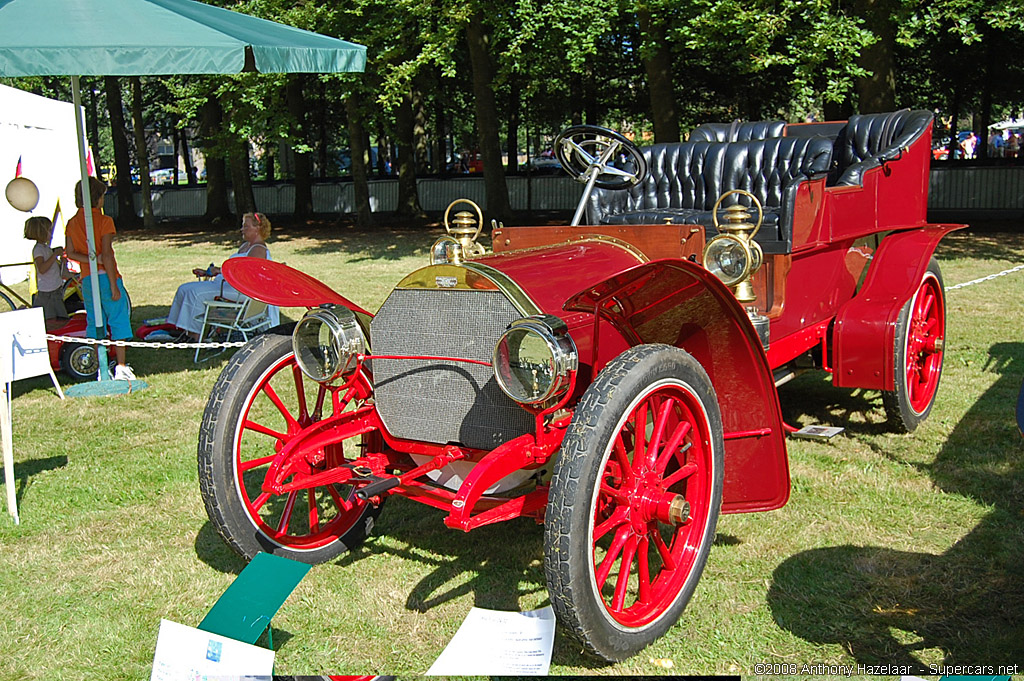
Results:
113 296
49 295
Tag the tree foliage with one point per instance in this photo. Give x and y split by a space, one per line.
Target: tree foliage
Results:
643 66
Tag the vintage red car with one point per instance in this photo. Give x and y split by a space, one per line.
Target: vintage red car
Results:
616 380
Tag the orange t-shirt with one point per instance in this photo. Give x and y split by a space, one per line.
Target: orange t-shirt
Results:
75 230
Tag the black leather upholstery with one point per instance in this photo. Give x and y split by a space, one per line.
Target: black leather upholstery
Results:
737 131
868 139
687 178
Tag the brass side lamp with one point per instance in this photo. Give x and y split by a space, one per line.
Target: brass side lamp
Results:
733 256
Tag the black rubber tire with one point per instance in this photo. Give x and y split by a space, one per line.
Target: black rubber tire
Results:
79 361
231 394
573 501
901 415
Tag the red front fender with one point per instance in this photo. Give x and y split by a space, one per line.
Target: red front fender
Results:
679 303
277 284
865 327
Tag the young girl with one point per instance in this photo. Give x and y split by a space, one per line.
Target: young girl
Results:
49 295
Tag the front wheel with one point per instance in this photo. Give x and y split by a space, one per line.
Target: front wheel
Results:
919 347
634 500
260 402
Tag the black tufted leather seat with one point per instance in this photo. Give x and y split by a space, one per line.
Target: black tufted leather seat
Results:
737 131
686 179
868 139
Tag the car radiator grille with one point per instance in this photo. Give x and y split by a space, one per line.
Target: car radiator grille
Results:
436 401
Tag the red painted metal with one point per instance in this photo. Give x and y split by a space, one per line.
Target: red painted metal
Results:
679 303
638 572
277 284
863 336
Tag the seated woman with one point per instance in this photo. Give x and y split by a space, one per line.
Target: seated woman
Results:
188 307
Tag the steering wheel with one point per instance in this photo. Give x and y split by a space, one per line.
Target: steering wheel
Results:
584 149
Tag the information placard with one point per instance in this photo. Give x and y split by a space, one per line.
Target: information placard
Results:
187 654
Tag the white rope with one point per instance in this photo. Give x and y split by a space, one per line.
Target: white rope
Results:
142 344
988 278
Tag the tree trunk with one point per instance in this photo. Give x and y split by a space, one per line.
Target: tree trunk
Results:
175 139
421 145
360 160
408 196
512 138
186 155
142 153
126 216
321 125
241 179
211 120
658 67
303 161
876 92
487 119
441 138
269 162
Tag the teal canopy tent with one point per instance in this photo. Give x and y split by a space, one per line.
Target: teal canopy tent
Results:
152 37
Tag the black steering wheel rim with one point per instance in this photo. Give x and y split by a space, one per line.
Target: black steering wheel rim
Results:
572 149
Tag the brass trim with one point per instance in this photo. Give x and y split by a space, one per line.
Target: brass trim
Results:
506 285
426 278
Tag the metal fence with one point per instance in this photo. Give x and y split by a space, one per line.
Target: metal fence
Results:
989 190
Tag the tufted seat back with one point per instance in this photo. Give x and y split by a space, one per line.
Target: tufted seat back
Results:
737 131
868 139
686 179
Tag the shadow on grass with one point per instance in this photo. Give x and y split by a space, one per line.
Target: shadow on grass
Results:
981 244
811 399
884 605
24 470
497 565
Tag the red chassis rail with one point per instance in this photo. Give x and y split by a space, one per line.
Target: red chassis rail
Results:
306 462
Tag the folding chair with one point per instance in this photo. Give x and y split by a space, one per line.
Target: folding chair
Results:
247 318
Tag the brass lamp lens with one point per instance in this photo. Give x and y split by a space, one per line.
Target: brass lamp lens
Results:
728 258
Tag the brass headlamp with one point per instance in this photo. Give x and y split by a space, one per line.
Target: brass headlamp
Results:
733 256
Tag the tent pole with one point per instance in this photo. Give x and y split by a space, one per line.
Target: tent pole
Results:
94 281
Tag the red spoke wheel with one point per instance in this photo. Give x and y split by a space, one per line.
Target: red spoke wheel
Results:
634 500
919 347
260 402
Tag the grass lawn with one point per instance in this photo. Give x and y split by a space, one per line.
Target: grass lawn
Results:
892 550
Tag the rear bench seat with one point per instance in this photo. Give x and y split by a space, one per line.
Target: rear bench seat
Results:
763 157
686 179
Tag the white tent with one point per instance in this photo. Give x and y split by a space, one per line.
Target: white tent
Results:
1013 123
41 133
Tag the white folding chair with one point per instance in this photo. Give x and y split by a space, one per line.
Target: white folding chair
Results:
246 318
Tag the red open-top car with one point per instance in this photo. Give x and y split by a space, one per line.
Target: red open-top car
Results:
614 380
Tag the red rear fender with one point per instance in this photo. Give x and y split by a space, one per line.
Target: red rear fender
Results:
278 284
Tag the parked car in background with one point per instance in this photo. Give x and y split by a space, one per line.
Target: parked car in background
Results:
162 176
543 164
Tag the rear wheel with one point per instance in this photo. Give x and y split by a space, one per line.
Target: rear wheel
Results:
634 500
260 402
919 348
